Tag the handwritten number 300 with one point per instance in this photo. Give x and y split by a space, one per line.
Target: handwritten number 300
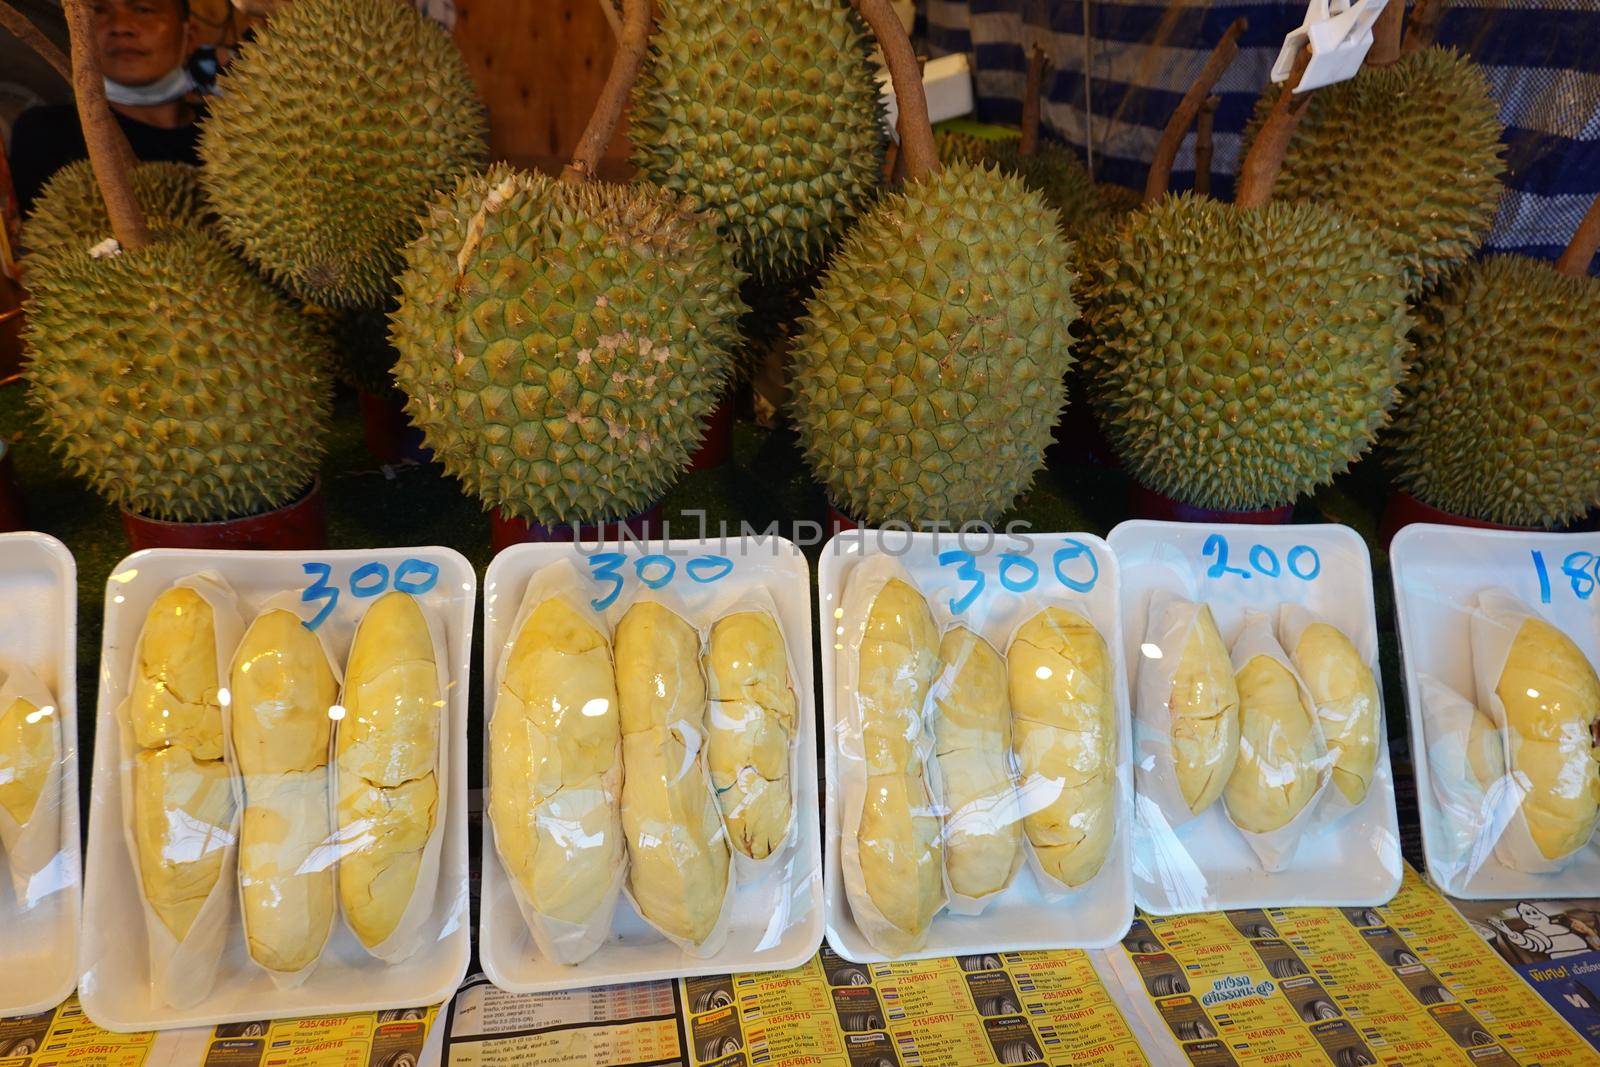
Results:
414 576
1019 574
654 571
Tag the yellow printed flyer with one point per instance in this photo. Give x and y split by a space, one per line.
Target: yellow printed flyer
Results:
1407 983
66 1036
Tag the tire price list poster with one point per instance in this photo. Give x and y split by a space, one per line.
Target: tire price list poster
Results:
1406 983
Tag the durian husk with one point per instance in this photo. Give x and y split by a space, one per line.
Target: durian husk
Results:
70 214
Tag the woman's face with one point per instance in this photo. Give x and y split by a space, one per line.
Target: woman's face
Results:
139 41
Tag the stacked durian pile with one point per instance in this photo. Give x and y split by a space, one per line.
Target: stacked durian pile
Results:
669 745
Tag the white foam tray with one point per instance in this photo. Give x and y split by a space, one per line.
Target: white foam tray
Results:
115 983
39 630
1437 572
1098 913
1207 864
777 922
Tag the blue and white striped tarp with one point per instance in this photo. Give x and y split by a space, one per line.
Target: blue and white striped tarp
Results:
1542 59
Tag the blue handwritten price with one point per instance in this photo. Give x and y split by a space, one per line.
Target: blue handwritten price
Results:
414 576
1581 569
1074 567
1301 561
653 571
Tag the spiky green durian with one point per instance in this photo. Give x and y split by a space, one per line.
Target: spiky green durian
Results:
1240 358
768 117
1412 150
1054 170
334 129
928 372
1501 419
70 214
559 344
175 381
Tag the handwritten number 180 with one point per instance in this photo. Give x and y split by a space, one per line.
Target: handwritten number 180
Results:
1582 571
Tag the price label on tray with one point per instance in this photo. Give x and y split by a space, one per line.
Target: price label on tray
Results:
414 576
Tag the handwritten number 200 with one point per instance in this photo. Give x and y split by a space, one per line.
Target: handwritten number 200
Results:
1302 561
414 576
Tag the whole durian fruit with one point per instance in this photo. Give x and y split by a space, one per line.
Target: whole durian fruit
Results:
1501 419
928 372
334 129
1412 150
175 381
1239 358
70 214
1054 171
768 117
560 343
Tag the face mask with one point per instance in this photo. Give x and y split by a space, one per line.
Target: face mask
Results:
175 83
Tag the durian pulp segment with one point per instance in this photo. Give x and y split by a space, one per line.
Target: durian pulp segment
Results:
1277 773
183 812
286 886
388 752
1552 701
750 730
930 369
284 694
898 840
1205 714
1486 750
972 742
1064 732
29 747
559 344
767 117
555 770
175 684
677 850
330 133
1346 694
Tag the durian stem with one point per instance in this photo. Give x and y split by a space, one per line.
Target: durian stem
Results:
1031 104
110 156
1203 147
631 45
1385 48
1259 172
1423 26
30 35
916 132
1160 173
1574 262
609 9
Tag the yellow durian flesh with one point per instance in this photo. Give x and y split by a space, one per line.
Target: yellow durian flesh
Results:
388 750
286 888
1276 775
1064 733
175 684
283 689
972 742
555 773
1204 710
677 853
1346 695
1486 751
898 839
750 730
28 749
1552 702
182 824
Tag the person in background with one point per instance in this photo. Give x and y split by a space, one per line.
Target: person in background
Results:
144 51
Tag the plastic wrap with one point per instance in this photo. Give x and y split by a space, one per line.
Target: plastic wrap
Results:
1280 832
39 850
680 862
1467 767
995 755
274 941
557 819
769 916
1542 693
173 727
391 774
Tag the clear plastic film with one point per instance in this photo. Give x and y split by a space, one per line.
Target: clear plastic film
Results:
181 797
1343 684
268 879
39 851
714 751
1466 768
